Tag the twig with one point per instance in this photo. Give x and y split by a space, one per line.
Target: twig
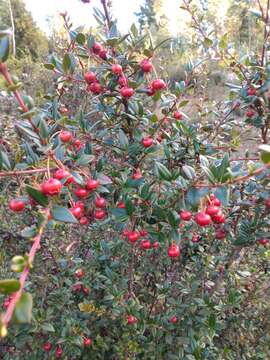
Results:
16 296
24 172
106 12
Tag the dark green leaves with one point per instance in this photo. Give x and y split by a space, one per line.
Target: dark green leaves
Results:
69 63
5 36
4 161
163 172
23 310
9 286
265 153
37 195
60 213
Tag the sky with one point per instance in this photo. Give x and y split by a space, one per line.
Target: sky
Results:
81 14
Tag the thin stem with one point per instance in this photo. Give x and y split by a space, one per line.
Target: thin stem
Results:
16 297
24 172
106 12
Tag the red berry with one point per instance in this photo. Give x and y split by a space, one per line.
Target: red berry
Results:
143 232
173 319
81 192
79 273
47 346
185 215
92 184
123 81
202 218
90 77
58 352
145 244
263 241
103 54
195 238
151 91
77 143
100 202
147 142
97 47
133 236
174 251
267 203
251 91
95 88
212 210
65 136
126 92
214 200
62 174
219 218
177 115
76 211
87 342
158 84
121 205
51 187
84 220
137 175
125 232
250 113
117 69
100 214
146 65
86 291
155 245
220 234
80 204
131 320
16 205
76 288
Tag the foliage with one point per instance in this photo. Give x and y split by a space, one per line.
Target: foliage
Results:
154 234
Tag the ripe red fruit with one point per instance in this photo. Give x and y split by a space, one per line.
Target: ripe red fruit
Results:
92 184
95 88
87 342
80 204
81 192
133 236
185 215
174 251
100 214
251 91
84 220
212 210
76 288
158 84
58 352
86 291
220 234
122 81
146 65
103 54
177 115
90 77
62 174
147 142
126 92
195 238
121 205
97 47
137 175
143 232
65 136
79 273
155 245
117 69
267 203
145 244
77 143
219 218
151 91
47 346
214 200
131 320
76 211
16 205
202 219
100 202
263 241
51 187
173 319
250 113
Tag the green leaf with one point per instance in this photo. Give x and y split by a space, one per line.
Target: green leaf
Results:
60 213
189 172
44 131
48 327
265 153
4 48
129 207
123 140
37 195
222 193
23 310
173 218
4 161
194 195
163 172
85 159
69 63
80 38
49 66
9 286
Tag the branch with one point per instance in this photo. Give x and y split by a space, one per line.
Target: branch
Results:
16 296
106 12
24 172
